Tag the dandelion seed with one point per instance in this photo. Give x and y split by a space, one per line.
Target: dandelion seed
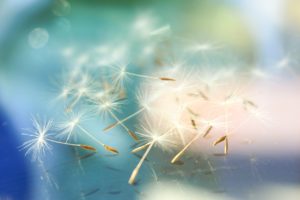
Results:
38 145
74 122
67 127
219 140
122 75
108 107
82 89
111 149
155 137
110 126
106 104
106 147
87 147
133 135
194 124
136 170
41 139
65 92
166 79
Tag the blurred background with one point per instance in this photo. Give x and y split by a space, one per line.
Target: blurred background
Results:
38 39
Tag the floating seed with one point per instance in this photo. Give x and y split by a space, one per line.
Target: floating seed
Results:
111 149
87 147
221 139
166 79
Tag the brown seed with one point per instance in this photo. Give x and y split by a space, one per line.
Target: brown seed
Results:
221 139
194 124
111 149
251 103
87 147
110 126
133 135
166 79
203 95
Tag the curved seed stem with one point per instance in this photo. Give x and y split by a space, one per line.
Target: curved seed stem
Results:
180 153
136 170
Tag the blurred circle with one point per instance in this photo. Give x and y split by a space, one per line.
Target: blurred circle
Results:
38 38
63 24
61 8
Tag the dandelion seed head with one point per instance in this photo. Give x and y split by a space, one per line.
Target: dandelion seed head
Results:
120 75
38 145
67 128
144 99
106 103
157 132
